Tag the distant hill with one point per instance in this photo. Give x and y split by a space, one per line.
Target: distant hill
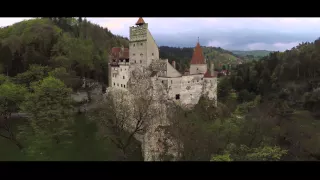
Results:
182 56
254 53
73 43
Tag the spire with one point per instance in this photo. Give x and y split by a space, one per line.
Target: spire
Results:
197 57
140 21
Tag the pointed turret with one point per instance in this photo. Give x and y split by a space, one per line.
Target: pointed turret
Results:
198 57
140 22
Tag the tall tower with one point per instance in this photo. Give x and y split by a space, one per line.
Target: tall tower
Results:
198 64
143 48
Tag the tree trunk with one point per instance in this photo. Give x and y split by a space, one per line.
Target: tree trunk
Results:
17 143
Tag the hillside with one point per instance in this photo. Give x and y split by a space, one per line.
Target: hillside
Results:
75 44
183 56
287 85
255 53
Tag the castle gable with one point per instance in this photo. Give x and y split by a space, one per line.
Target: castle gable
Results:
171 71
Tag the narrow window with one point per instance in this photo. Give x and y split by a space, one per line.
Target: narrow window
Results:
121 85
140 61
177 96
114 84
124 86
123 77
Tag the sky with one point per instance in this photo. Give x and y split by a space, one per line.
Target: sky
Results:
275 34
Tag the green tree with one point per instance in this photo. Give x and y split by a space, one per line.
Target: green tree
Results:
35 73
11 96
50 117
5 57
224 88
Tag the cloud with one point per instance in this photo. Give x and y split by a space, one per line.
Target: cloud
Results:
217 43
229 33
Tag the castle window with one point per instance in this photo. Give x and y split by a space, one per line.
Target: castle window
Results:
124 86
140 61
177 96
152 54
121 85
127 60
134 45
171 81
201 78
114 84
162 81
188 81
197 80
141 44
197 69
141 54
123 77
135 61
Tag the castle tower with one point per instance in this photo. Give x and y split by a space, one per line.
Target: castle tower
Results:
143 48
198 64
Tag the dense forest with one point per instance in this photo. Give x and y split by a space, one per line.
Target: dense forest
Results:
253 54
42 62
268 109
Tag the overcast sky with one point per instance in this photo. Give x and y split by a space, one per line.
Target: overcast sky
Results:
228 33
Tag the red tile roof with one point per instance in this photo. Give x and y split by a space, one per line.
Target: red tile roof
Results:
197 57
140 21
118 53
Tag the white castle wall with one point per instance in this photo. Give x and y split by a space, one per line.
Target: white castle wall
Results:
120 79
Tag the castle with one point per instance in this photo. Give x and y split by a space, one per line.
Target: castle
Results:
185 88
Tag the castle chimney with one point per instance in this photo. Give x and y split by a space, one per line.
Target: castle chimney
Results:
212 68
174 64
